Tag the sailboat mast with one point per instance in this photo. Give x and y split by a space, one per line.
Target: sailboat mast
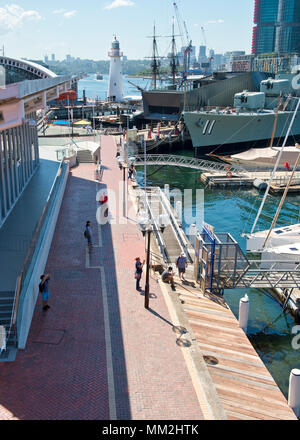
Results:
275 167
275 122
154 62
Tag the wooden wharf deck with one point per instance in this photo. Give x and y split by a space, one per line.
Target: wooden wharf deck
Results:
245 387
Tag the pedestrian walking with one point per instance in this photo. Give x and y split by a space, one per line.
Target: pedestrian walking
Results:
44 290
138 272
88 233
131 171
181 264
168 277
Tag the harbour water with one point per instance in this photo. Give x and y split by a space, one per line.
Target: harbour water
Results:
234 211
98 89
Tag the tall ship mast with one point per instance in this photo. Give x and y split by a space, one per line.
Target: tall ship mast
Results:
155 65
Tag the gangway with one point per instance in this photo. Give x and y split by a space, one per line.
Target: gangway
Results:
187 162
172 242
221 264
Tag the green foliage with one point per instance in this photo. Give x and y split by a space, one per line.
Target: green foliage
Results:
78 66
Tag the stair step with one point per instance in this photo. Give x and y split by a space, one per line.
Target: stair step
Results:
6 306
7 295
4 313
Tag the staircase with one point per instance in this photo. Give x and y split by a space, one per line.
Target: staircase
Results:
6 309
85 156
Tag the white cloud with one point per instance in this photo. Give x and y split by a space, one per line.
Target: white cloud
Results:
59 11
118 3
215 21
70 14
64 13
13 16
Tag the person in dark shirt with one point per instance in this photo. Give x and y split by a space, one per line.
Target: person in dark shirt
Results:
138 272
168 277
44 290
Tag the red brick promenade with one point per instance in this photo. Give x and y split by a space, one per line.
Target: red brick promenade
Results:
97 353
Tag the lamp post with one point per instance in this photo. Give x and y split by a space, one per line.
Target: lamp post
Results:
147 229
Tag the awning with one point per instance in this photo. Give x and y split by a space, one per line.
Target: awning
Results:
82 122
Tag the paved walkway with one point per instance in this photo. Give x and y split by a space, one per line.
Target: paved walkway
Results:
97 353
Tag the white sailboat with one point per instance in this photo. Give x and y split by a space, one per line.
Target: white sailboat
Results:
283 243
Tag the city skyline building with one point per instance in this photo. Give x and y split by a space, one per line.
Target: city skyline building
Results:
277 27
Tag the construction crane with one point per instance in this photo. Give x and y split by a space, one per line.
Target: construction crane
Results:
188 46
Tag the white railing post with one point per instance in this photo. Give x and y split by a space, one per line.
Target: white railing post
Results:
179 210
167 191
294 391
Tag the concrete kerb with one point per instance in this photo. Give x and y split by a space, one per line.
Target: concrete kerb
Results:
204 387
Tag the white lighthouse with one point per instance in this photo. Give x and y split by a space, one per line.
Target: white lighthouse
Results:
115 82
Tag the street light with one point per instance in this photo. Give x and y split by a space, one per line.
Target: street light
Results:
147 229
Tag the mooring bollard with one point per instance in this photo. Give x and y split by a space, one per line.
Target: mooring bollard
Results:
294 391
243 313
167 191
178 210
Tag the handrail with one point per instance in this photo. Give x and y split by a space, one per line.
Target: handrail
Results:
184 244
20 278
189 162
157 233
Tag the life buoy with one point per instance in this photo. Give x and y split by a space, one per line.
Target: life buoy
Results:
229 174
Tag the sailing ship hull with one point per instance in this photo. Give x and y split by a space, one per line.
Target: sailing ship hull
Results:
233 133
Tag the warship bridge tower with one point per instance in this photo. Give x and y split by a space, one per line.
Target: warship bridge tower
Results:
115 82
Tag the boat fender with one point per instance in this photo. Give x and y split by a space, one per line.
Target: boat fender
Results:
259 184
229 174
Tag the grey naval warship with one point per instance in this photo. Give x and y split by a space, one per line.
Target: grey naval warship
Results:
254 119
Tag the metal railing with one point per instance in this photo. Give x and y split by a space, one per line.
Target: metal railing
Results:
188 162
270 274
176 228
157 233
27 265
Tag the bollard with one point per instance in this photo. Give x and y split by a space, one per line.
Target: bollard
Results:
167 191
294 391
243 313
178 209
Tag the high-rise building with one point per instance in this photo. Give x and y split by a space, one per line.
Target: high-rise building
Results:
288 29
53 57
277 26
202 53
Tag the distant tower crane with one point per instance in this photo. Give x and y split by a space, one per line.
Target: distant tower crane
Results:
188 46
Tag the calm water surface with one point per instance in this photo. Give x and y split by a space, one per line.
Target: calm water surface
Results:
98 89
234 211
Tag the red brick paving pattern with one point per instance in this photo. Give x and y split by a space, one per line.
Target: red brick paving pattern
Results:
62 374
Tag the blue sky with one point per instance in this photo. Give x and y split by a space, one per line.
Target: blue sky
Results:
85 29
